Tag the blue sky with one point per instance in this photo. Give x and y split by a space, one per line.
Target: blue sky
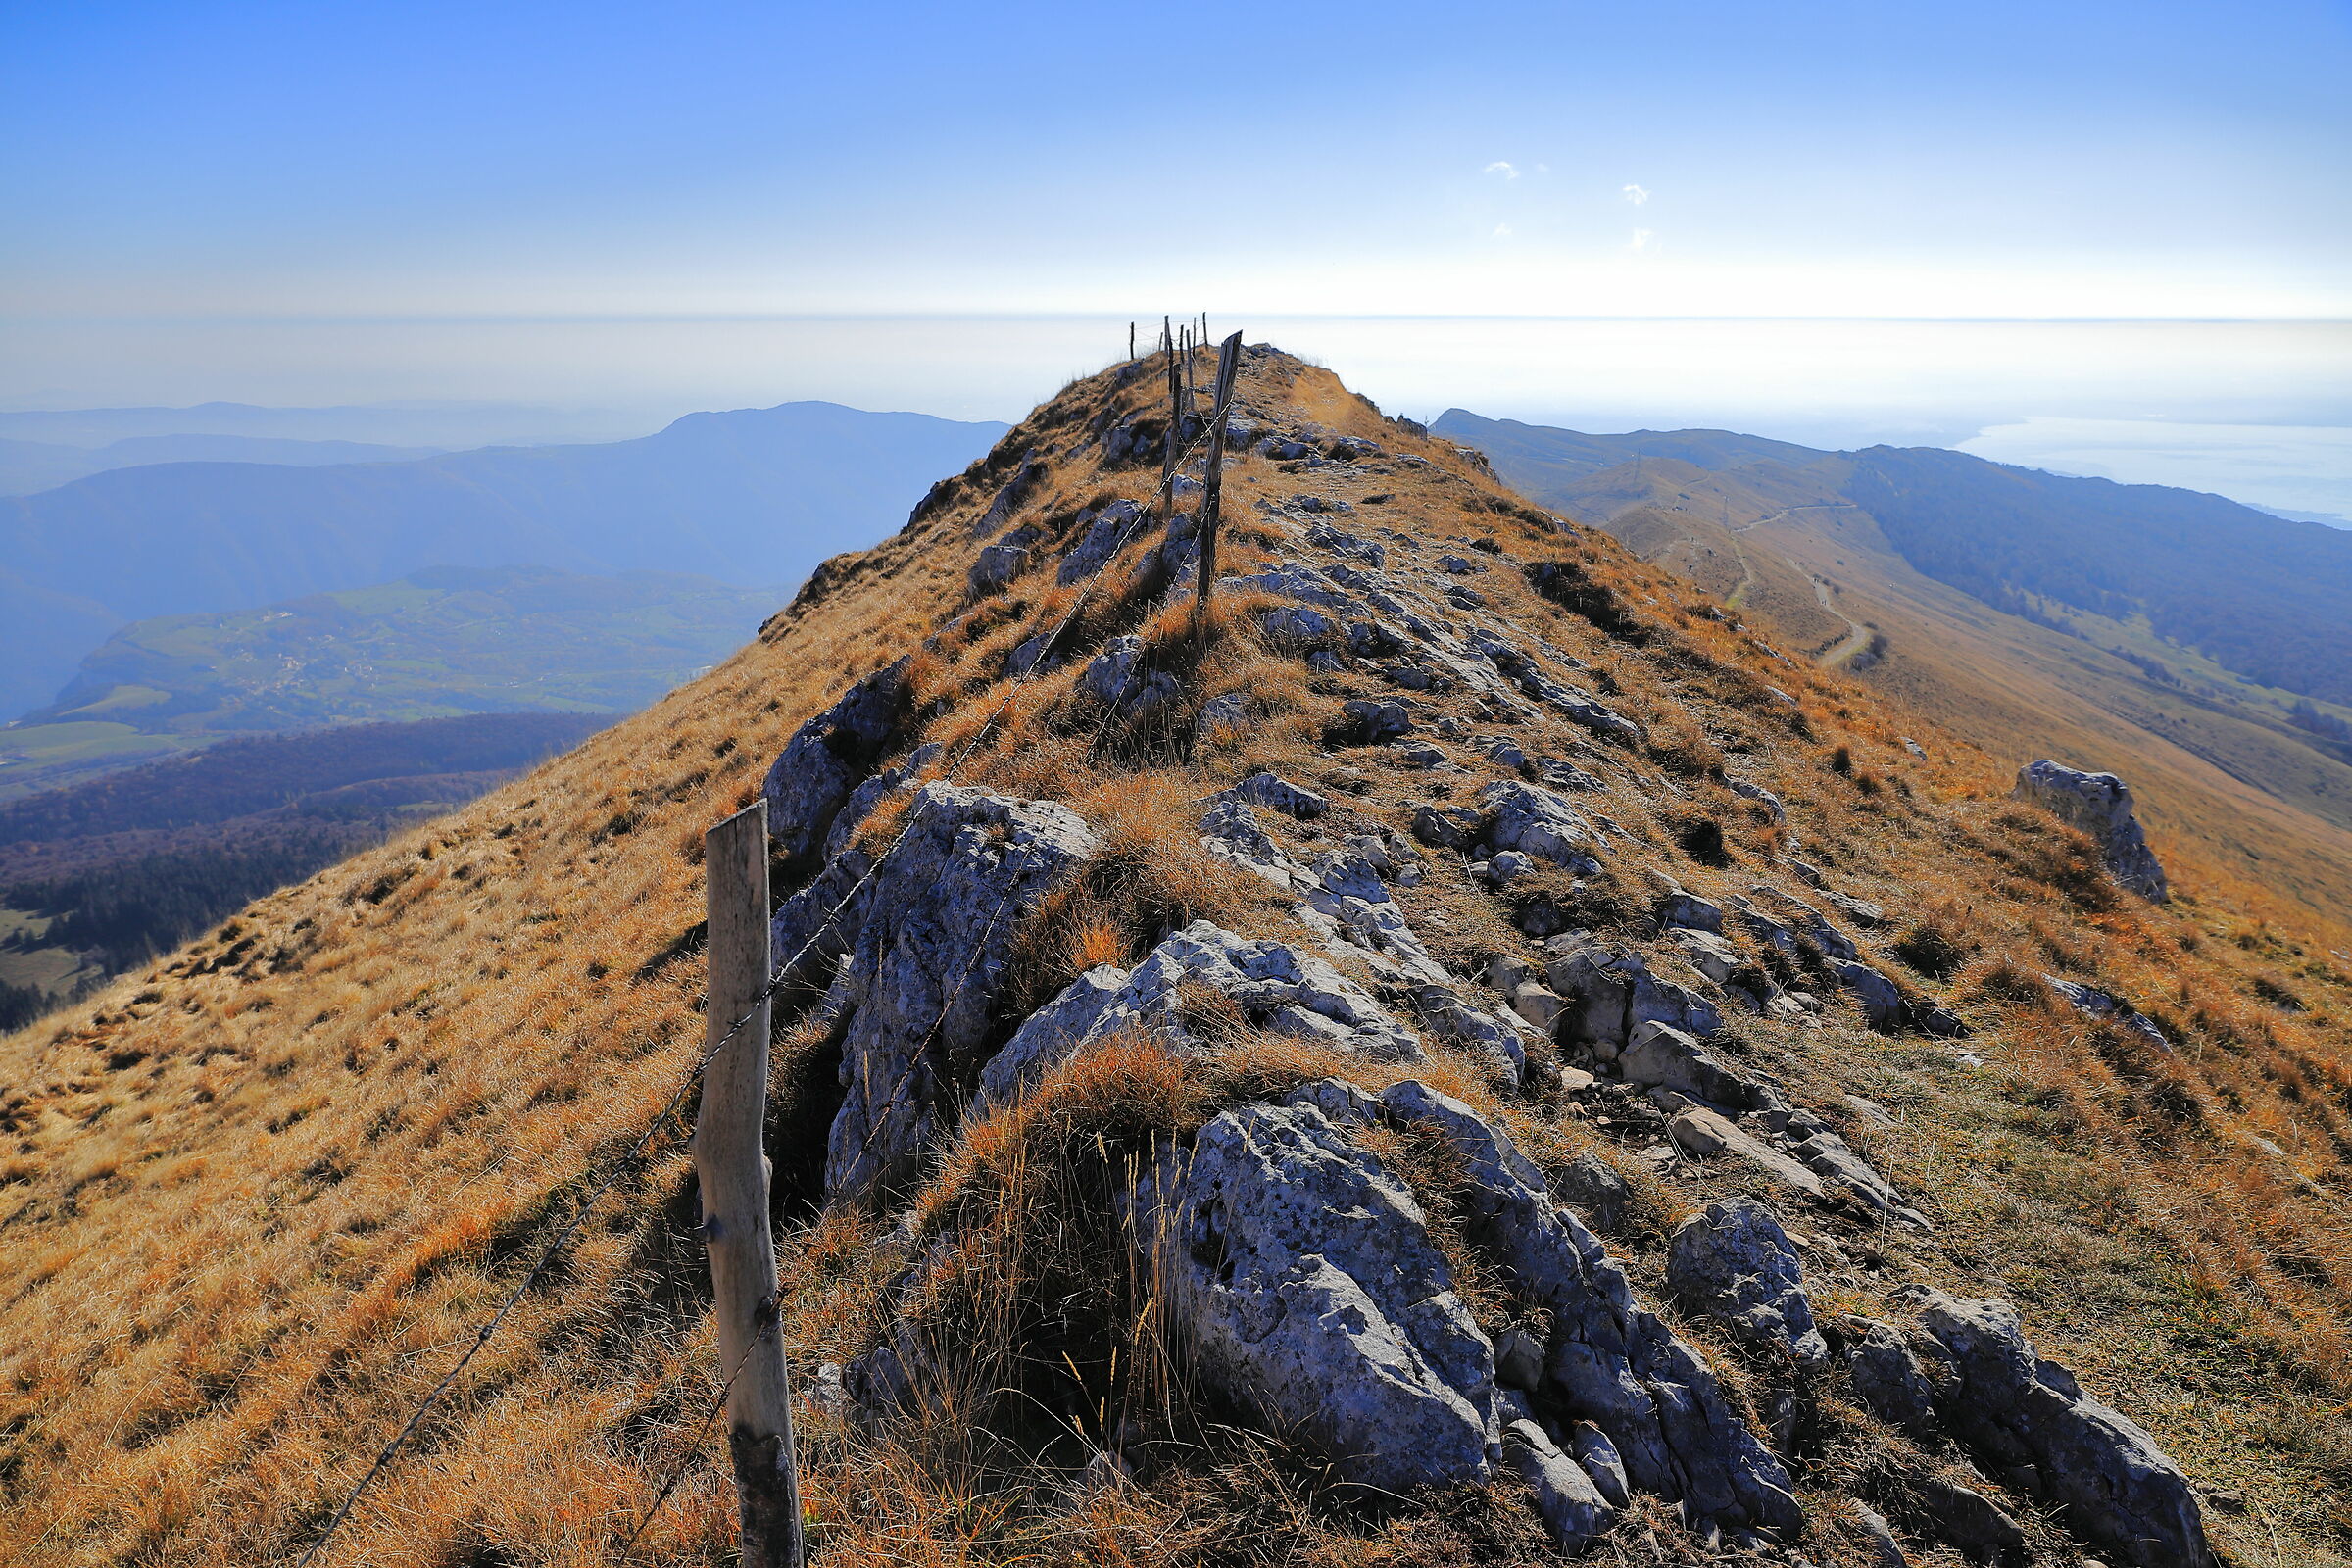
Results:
1676 159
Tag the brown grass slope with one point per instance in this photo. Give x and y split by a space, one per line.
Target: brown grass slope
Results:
1780 543
255 1200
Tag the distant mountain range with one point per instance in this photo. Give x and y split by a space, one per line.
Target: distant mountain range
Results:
2203 646
753 498
437 643
26 466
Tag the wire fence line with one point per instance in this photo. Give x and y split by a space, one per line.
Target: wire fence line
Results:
780 976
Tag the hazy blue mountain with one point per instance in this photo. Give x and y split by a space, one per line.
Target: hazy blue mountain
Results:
755 497
26 466
442 425
2265 596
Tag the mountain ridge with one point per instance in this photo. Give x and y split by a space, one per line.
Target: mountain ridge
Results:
1480 783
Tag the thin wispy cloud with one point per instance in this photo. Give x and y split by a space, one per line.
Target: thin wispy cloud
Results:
1640 240
1503 231
1636 194
1498 167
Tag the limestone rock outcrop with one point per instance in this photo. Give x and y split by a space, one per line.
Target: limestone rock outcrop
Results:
2101 806
826 758
914 1000
2028 1416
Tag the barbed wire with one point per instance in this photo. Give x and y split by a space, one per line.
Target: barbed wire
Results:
778 978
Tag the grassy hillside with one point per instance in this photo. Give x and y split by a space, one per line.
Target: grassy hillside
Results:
2220 758
751 497
435 644
99 877
258 1195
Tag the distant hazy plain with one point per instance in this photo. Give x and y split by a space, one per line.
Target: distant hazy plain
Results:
2260 411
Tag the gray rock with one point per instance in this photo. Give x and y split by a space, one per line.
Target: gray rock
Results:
1880 1002
1763 796
1446 828
1230 829
1602 1461
1885 1550
2092 1003
1611 993
1447 1014
1610 1361
1535 821
1228 711
1589 1182
1279 793
1679 909
2119 1489
1279 988
1891 1379
1700 1132
1375 721
1963 1516
1052 1035
1295 624
1658 1055
997 567
1567 1501
1117 678
917 993
1827 1155
1814 924
1323 536
1293 580
1302 1275
870 794
1733 1261
826 757
1030 655
1111 527
1344 893
2101 805
1007 500
1706 952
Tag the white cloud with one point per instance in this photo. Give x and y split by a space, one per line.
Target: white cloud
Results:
1640 240
1636 194
1503 231
1498 167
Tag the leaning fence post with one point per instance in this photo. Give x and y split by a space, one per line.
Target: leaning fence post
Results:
731 1167
1175 435
1229 361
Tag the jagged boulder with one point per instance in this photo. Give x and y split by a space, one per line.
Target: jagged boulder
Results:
1279 793
914 1001
1279 988
1537 822
2118 1491
2092 1003
1305 1280
1611 992
996 567
2101 806
1892 1379
826 758
1658 1055
1567 1498
1119 678
1882 1007
1734 1262
1106 531
1610 1361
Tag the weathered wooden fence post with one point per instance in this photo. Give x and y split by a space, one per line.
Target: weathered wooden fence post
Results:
732 1169
1175 437
1229 361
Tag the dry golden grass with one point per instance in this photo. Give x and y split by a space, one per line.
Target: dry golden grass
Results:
255 1201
